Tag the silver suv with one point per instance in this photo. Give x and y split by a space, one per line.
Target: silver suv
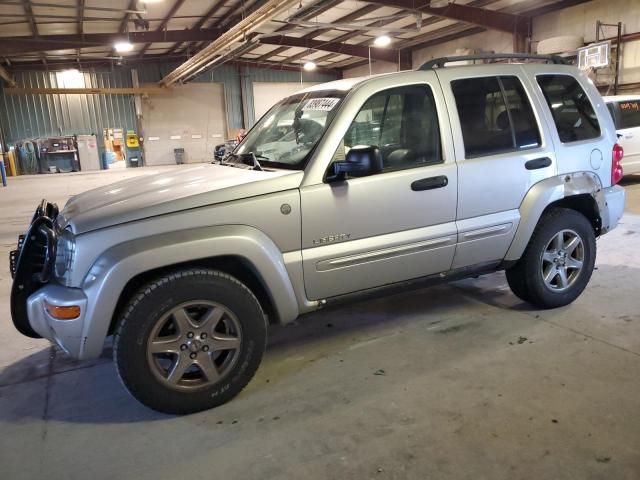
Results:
347 189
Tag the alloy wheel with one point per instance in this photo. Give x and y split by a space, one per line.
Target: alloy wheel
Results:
562 260
194 345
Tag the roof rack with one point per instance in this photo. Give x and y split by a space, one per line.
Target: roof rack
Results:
440 62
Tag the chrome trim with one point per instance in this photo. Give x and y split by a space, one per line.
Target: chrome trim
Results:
484 232
382 254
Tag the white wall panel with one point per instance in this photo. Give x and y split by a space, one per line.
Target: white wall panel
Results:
267 94
192 117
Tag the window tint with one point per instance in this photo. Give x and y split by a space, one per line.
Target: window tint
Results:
629 114
495 115
523 121
402 123
612 110
572 111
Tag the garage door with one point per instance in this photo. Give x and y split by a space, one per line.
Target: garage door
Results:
267 94
191 117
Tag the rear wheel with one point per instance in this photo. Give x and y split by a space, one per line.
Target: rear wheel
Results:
558 262
190 341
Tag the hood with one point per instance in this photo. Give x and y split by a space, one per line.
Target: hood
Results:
168 192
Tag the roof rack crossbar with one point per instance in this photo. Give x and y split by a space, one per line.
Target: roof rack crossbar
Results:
442 61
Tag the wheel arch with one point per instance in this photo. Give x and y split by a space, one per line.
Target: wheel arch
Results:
579 191
240 251
236 266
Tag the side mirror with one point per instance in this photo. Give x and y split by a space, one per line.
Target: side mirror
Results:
361 161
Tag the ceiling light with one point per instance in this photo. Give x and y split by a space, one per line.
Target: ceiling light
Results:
308 66
123 47
151 1
382 41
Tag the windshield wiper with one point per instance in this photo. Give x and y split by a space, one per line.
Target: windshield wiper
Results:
256 163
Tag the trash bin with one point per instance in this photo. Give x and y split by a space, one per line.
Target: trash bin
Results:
179 154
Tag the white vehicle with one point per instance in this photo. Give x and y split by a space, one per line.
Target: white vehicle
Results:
625 110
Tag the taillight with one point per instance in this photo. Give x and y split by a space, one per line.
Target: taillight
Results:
616 167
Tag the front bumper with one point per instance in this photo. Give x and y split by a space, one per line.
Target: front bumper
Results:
68 334
614 198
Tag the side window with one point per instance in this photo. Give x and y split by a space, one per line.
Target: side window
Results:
572 111
402 123
495 115
523 120
612 110
629 114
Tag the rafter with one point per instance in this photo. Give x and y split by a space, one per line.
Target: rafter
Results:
21 45
361 12
80 9
172 11
102 62
214 8
7 77
229 20
425 22
481 17
386 55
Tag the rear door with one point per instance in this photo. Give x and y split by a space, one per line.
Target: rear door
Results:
502 149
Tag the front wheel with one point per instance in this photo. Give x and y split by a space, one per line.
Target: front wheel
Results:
558 262
189 341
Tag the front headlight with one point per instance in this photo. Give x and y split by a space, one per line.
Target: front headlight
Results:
64 255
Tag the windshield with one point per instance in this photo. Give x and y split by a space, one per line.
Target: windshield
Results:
286 134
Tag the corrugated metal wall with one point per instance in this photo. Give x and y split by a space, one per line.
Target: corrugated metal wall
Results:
31 116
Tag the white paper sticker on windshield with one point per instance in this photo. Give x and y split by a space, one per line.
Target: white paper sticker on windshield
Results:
322 104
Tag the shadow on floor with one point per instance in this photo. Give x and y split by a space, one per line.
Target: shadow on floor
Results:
95 386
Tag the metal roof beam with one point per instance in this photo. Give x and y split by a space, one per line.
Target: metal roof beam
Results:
214 8
385 55
236 34
7 77
347 18
172 11
481 17
21 45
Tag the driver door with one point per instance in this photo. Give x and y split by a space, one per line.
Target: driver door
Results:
396 225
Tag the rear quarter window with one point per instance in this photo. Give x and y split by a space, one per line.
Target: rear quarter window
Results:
572 111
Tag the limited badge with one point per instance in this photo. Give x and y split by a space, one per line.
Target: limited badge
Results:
285 208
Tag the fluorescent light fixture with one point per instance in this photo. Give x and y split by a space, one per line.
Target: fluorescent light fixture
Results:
308 66
382 41
123 47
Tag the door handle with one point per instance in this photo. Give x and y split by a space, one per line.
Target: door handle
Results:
536 163
429 183
628 135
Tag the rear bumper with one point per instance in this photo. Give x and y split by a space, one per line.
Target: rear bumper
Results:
614 198
68 334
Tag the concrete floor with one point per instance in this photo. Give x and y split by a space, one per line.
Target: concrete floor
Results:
458 381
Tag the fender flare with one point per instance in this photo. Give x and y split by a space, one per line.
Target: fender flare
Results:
109 274
544 193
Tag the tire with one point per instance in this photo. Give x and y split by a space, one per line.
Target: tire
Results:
189 341
542 257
